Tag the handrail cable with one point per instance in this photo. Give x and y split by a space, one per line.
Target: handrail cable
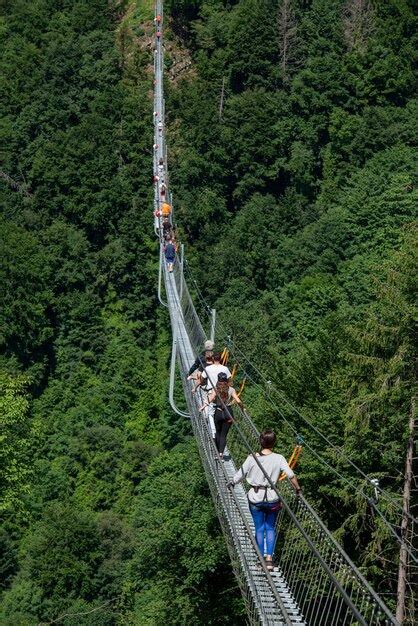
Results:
336 448
400 539
314 581
297 523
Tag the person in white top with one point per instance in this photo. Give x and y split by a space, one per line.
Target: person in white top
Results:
210 373
207 380
263 499
222 397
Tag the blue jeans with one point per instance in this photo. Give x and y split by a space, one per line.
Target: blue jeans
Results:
265 516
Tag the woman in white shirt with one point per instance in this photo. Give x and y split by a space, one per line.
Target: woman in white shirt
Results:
222 397
210 373
263 500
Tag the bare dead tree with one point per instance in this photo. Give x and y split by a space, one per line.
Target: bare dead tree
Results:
359 24
19 187
287 37
221 103
406 526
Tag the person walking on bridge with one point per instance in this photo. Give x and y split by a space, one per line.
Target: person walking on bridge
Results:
261 472
200 361
170 254
208 380
166 228
222 396
165 209
210 373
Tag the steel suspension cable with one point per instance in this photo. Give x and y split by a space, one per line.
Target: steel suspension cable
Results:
294 409
318 556
335 574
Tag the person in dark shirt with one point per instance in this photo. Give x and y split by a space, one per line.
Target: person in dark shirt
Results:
170 255
166 228
200 361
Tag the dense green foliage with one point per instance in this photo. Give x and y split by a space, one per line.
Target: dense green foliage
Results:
301 183
303 193
86 486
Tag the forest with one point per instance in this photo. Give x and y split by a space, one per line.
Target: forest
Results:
292 128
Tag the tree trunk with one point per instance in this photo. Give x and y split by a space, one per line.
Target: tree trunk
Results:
221 104
287 34
403 556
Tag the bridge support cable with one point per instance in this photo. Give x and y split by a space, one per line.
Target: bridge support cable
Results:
315 583
212 323
173 377
316 573
160 276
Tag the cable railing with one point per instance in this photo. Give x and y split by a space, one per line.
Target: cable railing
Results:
315 583
325 584
264 603
385 505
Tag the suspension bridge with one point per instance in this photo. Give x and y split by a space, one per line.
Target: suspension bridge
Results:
315 583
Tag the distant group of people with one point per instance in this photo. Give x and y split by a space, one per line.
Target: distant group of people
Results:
261 470
159 179
164 209
164 212
157 20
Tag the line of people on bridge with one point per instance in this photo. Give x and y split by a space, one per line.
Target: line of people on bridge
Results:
163 209
260 470
214 379
158 20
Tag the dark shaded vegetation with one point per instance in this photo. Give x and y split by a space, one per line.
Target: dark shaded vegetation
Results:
91 502
300 182
303 193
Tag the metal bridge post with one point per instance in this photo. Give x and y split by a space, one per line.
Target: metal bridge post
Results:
173 375
172 207
181 271
160 278
213 325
